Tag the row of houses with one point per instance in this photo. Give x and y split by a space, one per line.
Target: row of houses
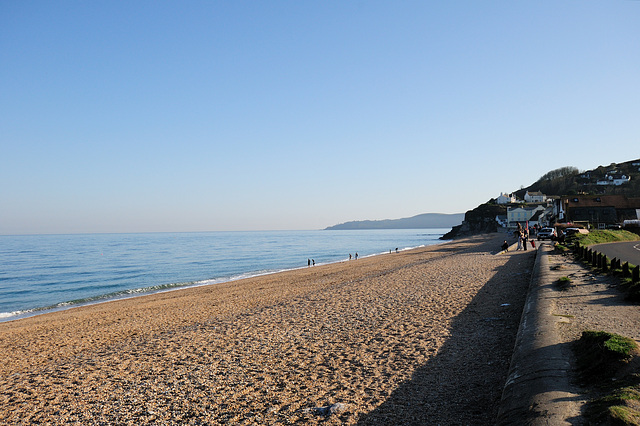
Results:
615 180
536 215
612 177
529 197
597 210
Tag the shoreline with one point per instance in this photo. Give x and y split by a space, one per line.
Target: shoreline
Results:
371 335
164 288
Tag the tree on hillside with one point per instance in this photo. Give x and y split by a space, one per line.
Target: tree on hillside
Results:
559 173
560 181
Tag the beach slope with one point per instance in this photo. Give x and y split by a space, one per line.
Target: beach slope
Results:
422 336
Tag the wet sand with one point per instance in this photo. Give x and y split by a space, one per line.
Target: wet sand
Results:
417 337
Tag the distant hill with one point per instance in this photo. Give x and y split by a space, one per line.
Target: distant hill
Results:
426 220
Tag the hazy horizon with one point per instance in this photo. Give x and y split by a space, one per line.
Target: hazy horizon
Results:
247 230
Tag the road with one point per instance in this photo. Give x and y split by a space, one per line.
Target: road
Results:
628 251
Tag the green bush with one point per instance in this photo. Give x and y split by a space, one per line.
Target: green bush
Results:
600 353
561 248
617 407
564 283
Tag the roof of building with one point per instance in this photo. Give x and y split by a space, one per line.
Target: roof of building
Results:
536 215
527 208
617 201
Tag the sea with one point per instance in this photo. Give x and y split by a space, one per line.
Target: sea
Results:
43 273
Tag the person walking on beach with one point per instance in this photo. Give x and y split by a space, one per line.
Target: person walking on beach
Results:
308 262
313 262
505 246
356 255
349 256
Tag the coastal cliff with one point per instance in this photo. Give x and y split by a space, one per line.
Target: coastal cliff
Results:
480 220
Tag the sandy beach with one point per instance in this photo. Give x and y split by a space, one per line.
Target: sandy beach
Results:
418 337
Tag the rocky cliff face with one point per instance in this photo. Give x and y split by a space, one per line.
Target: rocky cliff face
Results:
480 220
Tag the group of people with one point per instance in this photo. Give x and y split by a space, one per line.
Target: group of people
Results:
522 234
523 238
312 262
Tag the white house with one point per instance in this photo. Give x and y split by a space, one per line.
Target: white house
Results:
619 180
616 180
506 198
534 197
521 214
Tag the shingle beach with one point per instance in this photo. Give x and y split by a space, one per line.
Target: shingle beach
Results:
417 337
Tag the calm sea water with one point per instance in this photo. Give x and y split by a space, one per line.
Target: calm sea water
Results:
39 273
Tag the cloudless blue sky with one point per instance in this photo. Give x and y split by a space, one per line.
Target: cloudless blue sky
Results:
256 115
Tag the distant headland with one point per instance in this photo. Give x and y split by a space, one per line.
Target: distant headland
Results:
426 220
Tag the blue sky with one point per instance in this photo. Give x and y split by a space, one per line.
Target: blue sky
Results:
257 115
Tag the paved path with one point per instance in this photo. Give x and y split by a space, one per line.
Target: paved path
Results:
540 389
627 251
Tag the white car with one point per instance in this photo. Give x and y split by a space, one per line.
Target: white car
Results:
546 233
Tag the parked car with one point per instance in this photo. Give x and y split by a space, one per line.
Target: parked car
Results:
546 233
571 231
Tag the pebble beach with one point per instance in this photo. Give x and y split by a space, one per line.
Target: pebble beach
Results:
423 336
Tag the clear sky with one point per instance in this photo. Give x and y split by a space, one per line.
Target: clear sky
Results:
139 116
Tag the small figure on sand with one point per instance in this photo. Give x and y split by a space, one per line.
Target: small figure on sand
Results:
505 246
349 256
308 262
313 262
356 255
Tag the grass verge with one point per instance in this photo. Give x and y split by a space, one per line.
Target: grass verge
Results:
604 236
631 289
609 363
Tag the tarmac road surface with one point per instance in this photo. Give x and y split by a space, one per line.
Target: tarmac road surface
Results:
627 251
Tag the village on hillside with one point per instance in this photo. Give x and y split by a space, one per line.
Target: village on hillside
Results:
604 210
607 197
538 210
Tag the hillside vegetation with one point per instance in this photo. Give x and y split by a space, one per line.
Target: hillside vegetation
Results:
571 181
